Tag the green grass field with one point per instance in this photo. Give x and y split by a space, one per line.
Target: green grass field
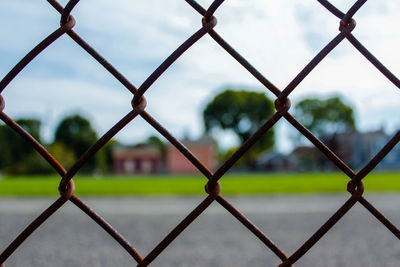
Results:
233 184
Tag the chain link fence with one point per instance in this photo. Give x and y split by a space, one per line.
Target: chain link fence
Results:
355 186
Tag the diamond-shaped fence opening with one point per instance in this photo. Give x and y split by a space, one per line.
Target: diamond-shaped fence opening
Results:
66 188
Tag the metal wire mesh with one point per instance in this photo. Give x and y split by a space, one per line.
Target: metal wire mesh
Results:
66 188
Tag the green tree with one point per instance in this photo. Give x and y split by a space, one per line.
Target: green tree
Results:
76 134
243 112
104 157
65 156
17 156
325 118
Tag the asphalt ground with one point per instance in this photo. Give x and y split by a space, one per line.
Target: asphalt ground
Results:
216 238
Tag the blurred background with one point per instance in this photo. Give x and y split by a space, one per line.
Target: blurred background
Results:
64 86
67 101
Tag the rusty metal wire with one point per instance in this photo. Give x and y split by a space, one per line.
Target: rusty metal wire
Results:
66 188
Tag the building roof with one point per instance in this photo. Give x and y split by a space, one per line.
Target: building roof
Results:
204 141
137 152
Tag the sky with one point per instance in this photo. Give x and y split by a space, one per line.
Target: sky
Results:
277 37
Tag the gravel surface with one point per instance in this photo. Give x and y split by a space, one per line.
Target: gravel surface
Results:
70 238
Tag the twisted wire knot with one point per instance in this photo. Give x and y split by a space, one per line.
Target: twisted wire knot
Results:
142 103
355 188
66 13
213 188
66 189
347 27
282 104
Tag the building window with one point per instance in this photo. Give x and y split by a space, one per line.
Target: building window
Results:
129 166
147 166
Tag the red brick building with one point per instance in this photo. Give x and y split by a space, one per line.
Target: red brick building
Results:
147 160
203 149
137 160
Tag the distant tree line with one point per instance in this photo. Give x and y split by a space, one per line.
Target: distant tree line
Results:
72 137
239 111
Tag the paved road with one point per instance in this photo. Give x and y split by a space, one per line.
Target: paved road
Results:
70 238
